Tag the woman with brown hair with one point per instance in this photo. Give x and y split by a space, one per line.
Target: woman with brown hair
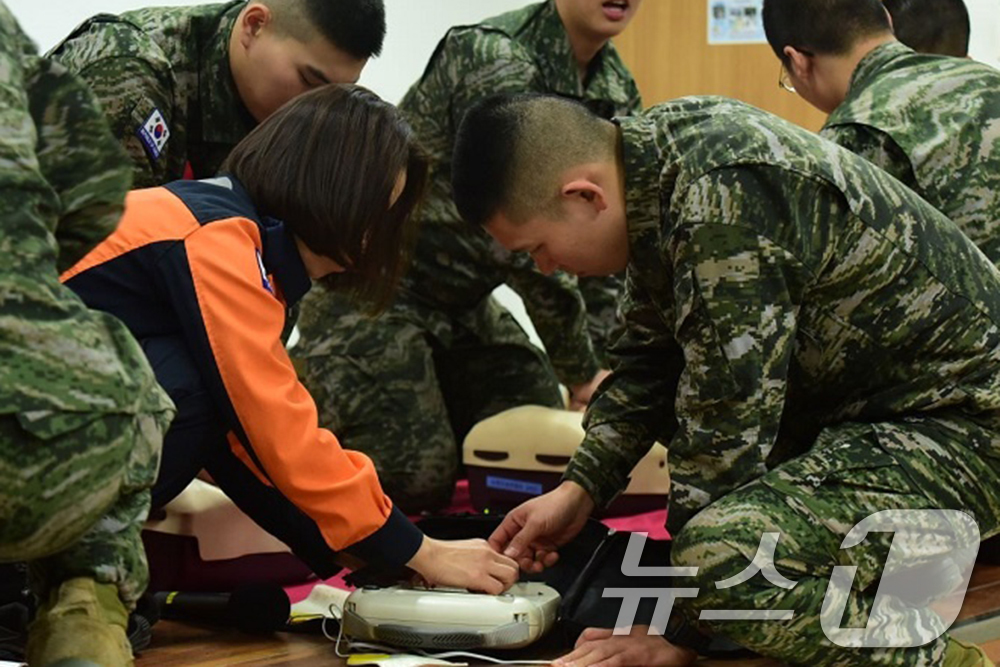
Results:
203 274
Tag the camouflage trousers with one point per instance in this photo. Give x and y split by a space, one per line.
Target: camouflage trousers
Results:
602 294
405 388
74 493
812 501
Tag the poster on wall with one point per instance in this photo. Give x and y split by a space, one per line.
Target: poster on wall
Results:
736 22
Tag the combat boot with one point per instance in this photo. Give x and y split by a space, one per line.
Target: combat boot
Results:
963 654
83 621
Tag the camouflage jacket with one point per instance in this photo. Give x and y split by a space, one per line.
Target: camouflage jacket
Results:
778 284
934 123
162 75
456 265
63 180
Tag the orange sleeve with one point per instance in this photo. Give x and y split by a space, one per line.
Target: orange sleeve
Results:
275 418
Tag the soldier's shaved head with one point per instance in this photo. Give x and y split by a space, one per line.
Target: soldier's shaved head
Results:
356 27
823 27
510 152
821 42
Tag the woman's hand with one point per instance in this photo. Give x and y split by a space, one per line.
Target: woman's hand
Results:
470 564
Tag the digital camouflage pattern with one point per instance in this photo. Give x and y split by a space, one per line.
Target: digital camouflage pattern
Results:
811 502
933 122
174 60
785 297
393 401
81 415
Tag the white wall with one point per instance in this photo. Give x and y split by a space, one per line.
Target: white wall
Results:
985 18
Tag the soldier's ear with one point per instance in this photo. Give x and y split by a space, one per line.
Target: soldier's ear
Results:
584 189
800 64
252 20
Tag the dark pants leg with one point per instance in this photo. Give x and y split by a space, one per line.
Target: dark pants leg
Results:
602 294
491 369
380 394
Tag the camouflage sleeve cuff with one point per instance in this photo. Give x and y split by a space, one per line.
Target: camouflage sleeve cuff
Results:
602 495
603 462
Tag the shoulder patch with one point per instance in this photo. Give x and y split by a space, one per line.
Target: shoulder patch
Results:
154 133
263 273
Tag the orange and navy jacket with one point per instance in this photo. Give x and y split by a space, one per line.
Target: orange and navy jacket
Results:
194 259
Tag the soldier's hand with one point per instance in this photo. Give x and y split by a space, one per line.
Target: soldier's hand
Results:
602 648
580 394
533 532
470 564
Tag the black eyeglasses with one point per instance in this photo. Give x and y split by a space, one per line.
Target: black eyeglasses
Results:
785 78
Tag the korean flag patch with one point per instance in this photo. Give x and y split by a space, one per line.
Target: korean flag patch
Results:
263 274
154 133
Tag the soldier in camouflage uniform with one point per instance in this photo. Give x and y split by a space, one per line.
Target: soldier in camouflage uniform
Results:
932 122
814 341
406 388
182 85
83 417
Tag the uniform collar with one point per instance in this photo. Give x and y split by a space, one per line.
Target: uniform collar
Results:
283 260
875 62
547 37
643 168
224 117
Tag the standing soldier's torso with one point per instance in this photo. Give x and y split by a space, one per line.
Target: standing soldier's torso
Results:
526 50
941 115
163 77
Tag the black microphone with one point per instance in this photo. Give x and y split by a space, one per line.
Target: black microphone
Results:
256 609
